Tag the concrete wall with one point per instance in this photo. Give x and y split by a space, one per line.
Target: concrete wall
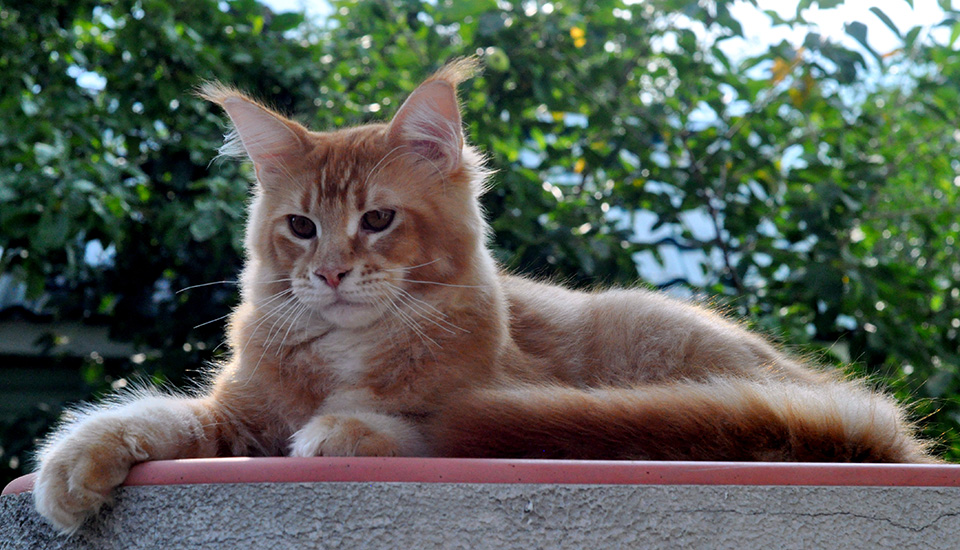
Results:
418 516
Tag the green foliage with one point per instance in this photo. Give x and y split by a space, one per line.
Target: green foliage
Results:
829 180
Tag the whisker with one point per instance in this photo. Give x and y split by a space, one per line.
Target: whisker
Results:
260 322
380 304
427 311
286 170
268 299
443 177
201 285
222 317
264 301
415 327
303 309
426 318
412 267
281 320
287 312
412 323
284 280
191 287
441 284
381 161
414 298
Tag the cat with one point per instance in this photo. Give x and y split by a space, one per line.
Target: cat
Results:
375 322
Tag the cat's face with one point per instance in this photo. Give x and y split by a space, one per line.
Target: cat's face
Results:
362 226
366 222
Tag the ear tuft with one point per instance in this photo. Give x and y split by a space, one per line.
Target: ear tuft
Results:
457 70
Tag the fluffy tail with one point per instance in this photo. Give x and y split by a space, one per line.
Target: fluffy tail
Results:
731 419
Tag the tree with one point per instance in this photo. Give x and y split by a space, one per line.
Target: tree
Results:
825 177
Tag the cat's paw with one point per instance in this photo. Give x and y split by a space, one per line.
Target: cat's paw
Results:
78 473
343 435
357 433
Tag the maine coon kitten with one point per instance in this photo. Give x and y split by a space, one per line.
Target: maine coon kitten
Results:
374 321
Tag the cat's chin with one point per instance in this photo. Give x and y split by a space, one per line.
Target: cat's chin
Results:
350 314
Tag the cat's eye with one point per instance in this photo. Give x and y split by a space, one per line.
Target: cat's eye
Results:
377 220
302 226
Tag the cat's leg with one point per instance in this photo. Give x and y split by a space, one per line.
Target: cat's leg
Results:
87 457
348 425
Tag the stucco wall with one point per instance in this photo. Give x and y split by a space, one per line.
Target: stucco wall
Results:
279 516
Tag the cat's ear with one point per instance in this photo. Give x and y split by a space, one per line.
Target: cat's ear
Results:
267 138
428 124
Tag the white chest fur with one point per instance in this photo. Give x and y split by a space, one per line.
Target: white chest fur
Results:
344 353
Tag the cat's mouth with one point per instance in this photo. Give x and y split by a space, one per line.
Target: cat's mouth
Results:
349 313
341 301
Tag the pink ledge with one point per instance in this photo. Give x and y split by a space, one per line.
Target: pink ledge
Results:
452 470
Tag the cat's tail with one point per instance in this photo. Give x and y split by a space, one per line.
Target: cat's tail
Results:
718 419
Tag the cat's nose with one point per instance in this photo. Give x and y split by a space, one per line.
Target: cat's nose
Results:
332 276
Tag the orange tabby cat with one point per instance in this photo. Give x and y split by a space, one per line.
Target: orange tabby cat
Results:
374 321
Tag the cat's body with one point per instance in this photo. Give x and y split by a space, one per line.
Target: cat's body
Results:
374 321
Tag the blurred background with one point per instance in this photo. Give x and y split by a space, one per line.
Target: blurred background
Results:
794 163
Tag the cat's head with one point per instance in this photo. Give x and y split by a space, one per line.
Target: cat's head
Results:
357 221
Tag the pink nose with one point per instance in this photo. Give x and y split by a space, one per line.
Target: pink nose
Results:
333 276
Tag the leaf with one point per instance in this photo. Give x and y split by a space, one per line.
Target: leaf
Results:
52 233
775 17
954 34
886 21
283 22
458 10
858 31
539 137
914 32
802 5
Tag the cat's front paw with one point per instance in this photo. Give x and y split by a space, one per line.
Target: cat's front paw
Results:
77 475
358 434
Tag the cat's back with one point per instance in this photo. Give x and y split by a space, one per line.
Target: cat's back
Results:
634 335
